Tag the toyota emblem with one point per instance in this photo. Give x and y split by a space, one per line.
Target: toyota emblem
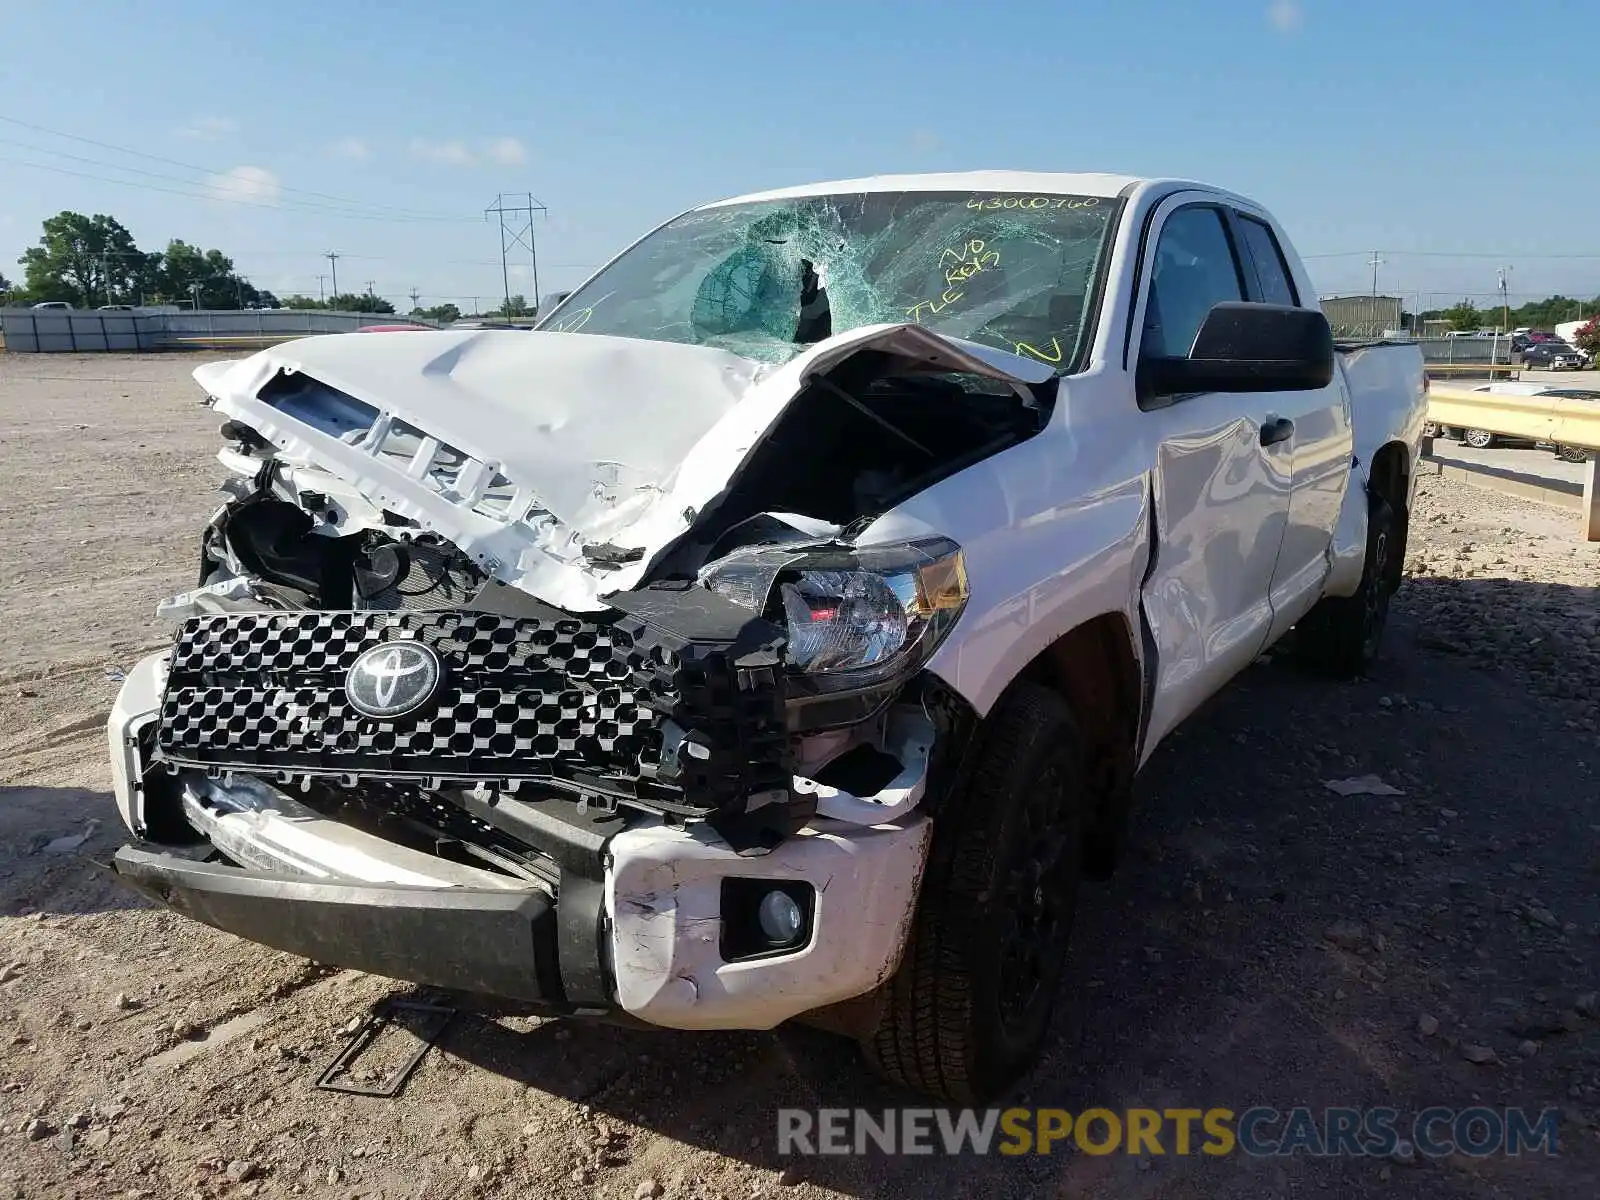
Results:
392 680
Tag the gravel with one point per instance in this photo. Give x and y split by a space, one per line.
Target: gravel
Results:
1200 975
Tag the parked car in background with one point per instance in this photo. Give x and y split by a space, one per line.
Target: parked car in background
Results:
1554 356
1483 439
53 304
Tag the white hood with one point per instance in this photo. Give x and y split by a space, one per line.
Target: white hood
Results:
568 440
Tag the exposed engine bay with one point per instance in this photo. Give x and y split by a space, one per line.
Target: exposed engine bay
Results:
756 671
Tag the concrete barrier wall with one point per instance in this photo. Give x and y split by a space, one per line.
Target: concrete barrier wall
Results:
47 330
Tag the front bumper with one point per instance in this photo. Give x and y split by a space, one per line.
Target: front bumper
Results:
493 941
630 922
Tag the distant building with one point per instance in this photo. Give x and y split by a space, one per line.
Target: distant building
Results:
1362 316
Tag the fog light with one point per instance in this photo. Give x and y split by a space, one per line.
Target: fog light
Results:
782 920
765 918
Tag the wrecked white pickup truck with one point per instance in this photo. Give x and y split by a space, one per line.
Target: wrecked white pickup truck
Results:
775 633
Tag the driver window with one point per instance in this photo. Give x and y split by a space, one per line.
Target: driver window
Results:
1194 268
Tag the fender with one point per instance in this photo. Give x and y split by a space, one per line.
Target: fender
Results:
1056 532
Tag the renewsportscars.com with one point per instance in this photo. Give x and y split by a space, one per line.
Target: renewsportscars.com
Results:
1259 1131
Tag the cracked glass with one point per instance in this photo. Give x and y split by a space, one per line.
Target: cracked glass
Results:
1014 270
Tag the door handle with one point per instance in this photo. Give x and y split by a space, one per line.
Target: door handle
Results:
1279 429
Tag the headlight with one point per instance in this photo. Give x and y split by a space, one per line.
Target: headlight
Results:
855 617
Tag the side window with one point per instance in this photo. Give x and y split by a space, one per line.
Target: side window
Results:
1271 270
1193 269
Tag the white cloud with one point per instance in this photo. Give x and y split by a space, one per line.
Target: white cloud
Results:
449 154
1286 15
255 185
208 129
352 148
508 152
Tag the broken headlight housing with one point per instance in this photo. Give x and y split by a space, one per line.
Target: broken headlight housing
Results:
859 620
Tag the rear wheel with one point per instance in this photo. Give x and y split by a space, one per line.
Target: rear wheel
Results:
970 1005
1341 635
1479 439
1572 454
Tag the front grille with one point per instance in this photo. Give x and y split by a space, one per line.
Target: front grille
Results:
575 701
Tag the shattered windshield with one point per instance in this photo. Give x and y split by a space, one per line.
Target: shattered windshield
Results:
1010 270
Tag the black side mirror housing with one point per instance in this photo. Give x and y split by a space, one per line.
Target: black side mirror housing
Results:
1246 347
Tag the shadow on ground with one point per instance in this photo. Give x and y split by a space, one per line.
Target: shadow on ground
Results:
47 838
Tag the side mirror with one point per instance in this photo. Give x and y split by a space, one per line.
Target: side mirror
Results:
1244 347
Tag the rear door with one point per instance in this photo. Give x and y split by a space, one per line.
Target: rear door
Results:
1221 474
1320 448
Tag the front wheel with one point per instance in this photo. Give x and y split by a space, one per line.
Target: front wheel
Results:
1572 454
1341 635
1479 439
968 1010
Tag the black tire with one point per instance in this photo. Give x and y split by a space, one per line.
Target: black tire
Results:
1478 439
1341 635
1572 454
968 1009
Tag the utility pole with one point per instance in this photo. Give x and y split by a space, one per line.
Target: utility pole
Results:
194 294
333 261
516 229
238 286
1375 263
416 296
370 282
105 268
322 297
1505 301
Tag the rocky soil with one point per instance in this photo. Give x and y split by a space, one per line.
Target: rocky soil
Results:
1271 940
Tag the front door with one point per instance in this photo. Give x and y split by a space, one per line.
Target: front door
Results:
1221 480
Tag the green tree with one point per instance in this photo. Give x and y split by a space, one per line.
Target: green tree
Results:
360 303
299 301
517 306
5 289
86 261
442 313
1463 316
205 276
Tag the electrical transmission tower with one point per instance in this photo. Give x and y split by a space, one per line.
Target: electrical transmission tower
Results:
516 213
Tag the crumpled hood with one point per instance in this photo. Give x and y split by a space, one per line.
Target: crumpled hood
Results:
569 440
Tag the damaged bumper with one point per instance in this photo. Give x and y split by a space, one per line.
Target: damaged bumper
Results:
486 940
573 899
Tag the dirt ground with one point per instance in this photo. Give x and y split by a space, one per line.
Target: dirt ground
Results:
1269 941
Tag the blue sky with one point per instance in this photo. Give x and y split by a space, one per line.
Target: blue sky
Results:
303 127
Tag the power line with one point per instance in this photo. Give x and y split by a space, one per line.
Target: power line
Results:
173 162
290 206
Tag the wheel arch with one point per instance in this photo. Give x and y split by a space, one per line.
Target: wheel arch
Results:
1096 668
1390 477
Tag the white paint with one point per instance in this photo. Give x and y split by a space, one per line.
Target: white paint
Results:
560 416
664 898
909 738
138 703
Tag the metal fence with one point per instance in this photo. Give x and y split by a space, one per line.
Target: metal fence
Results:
1363 316
35 330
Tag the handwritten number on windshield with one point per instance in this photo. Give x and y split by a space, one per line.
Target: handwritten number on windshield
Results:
994 203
